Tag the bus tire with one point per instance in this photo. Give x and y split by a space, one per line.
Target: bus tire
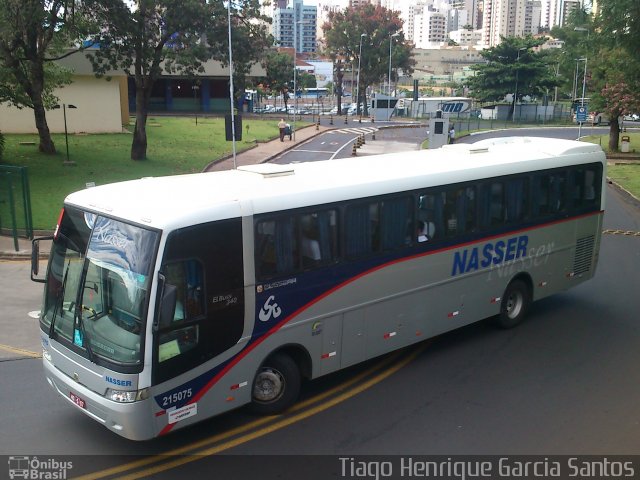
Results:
515 304
276 385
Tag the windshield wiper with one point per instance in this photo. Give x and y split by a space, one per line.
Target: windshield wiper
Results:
77 312
61 302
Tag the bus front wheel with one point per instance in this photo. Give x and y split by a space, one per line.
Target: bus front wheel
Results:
276 385
515 304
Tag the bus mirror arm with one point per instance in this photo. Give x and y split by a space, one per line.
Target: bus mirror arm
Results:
167 306
35 259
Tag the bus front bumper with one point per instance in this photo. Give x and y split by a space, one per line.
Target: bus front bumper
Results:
129 420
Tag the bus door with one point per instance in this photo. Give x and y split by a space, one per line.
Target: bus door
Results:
203 268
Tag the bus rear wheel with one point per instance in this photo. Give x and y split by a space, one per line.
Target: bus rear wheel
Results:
276 385
515 304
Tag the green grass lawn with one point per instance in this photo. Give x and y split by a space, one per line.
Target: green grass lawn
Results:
176 145
625 175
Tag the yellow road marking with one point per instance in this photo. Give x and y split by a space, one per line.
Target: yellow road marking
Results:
278 424
20 351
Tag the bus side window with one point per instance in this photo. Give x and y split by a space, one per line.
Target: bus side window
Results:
266 248
516 199
276 246
362 233
584 185
318 238
460 210
397 222
549 193
430 209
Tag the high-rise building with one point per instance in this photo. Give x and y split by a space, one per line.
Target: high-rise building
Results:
295 20
504 18
430 28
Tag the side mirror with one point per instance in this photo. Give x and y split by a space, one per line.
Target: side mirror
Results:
35 259
167 303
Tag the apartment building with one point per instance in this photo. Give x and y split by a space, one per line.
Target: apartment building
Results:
295 26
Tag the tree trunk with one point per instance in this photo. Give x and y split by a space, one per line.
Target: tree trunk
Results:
339 76
139 144
46 143
512 111
40 116
614 134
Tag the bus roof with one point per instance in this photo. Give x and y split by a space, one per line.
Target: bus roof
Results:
178 201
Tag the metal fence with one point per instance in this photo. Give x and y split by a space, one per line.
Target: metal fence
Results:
15 203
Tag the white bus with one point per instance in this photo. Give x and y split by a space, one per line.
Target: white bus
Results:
169 300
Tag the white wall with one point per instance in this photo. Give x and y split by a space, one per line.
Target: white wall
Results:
98 109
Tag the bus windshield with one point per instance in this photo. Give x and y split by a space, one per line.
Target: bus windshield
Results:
98 286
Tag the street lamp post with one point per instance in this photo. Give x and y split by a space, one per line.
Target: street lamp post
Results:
389 87
233 123
515 95
295 73
66 134
362 35
390 43
584 87
584 77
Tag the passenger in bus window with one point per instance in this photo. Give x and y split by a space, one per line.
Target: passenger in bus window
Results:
422 232
310 245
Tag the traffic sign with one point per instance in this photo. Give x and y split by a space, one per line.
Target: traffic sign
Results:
581 114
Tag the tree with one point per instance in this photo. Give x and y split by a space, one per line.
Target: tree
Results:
33 35
615 72
165 36
613 81
155 35
279 74
306 80
249 40
381 26
610 46
575 35
512 68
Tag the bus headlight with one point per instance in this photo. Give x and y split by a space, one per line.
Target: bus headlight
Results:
128 396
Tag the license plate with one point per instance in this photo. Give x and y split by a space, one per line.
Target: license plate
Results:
77 400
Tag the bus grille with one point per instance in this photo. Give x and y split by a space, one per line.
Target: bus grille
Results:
584 255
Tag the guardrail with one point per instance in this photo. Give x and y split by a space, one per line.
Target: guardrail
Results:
15 203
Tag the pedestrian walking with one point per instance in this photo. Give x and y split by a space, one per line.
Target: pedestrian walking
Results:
282 126
452 134
288 131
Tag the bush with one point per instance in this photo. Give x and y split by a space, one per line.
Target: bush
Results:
1 145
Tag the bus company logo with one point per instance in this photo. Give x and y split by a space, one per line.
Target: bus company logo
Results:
455 107
269 310
316 329
106 234
38 469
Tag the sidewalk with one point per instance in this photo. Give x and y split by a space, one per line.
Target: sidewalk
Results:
261 153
